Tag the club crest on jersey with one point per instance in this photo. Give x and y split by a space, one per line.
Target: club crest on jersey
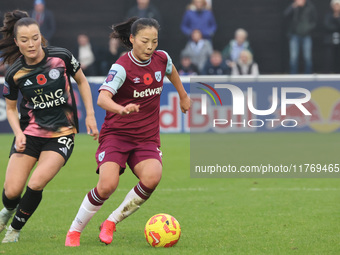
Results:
111 76
158 76
101 156
54 74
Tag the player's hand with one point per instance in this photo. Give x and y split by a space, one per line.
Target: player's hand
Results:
20 142
129 109
185 103
91 126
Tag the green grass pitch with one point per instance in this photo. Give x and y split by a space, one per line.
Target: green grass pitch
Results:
217 216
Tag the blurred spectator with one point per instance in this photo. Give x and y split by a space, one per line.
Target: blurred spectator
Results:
198 49
198 17
85 53
108 56
332 38
215 65
186 67
245 65
232 51
45 19
144 9
209 4
302 17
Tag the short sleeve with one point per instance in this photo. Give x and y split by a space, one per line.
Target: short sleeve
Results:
72 64
10 91
115 79
168 69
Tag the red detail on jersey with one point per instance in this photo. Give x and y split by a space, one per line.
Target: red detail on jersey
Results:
41 79
147 79
155 237
109 78
5 90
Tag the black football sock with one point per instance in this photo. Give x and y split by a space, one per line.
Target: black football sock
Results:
10 204
26 208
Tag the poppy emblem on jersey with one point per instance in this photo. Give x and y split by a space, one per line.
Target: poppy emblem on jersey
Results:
54 74
158 76
101 156
111 76
41 79
147 79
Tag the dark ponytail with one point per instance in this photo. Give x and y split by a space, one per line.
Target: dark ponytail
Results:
9 51
123 30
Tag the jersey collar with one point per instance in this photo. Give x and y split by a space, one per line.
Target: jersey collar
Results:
138 62
38 64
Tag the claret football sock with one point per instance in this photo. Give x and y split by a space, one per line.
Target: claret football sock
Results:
133 200
90 205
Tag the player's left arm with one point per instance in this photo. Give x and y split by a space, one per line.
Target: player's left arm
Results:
185 101
85 93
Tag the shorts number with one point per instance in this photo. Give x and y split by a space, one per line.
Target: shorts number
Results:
67 141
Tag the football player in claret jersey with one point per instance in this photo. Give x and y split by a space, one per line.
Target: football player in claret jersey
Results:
130 133
45 131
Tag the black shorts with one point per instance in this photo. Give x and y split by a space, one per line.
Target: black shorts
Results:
35 145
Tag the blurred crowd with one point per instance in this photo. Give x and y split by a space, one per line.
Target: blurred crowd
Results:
198 24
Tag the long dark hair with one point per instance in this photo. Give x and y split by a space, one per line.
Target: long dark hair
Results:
9 51
133 25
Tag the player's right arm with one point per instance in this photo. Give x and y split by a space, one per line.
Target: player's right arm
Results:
10 92
105 101
14 122
114 80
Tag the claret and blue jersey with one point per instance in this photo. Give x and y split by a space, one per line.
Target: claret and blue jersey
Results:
141 83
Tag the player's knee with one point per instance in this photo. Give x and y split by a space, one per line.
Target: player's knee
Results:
106 189
12 192
36 185
151 181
